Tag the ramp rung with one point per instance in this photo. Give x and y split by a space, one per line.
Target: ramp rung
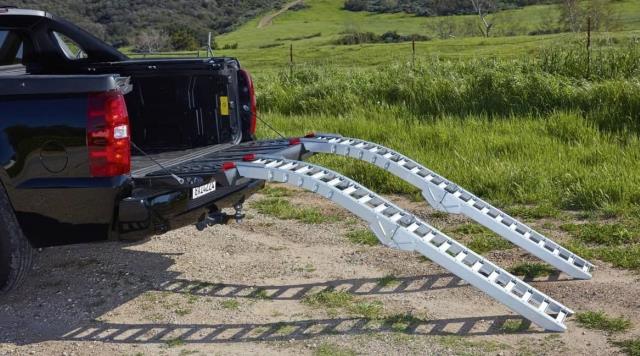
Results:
318 175
543 306
509 286
476 266
380 208
444 247
349 190
288 166
272 164
561 316
302 170
413 227
449 197
461 256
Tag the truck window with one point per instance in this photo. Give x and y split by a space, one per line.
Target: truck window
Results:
69 47
11 48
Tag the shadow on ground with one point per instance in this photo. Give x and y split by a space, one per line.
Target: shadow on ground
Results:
298 330
73 286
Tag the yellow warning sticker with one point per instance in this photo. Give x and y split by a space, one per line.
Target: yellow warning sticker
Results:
224 105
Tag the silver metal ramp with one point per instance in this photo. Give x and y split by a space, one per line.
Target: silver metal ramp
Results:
447 196
398 229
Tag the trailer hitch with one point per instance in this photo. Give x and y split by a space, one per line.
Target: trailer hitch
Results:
220 218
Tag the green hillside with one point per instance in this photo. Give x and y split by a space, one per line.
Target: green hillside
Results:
313 32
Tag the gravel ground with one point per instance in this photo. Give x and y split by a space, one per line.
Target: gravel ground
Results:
238 289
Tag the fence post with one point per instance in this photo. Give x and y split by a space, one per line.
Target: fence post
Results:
413 48
291 58
588 46
209 49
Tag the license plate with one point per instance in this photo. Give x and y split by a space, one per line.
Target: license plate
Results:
203 190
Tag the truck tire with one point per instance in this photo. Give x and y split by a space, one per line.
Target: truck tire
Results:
16 253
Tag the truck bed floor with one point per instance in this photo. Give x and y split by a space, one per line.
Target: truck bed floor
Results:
203 160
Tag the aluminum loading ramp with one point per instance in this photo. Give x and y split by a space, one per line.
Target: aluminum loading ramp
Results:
446 196
398 229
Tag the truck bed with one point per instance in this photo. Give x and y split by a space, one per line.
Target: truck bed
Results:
13 70
207 159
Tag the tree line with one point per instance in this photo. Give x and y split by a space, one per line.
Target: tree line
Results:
182 24
437 7
574 15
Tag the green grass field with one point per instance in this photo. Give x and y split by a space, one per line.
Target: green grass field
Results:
268 47
327 18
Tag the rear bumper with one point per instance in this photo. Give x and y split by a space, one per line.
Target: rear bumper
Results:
148 213
158 204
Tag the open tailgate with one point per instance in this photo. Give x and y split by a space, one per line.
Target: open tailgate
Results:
172 191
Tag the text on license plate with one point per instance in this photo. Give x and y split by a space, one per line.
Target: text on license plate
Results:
203 190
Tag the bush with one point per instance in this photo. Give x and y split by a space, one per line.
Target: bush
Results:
271 45
299 6
183 40
352 38
297 38
357 38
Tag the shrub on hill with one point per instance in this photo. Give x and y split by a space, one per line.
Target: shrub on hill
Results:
351 38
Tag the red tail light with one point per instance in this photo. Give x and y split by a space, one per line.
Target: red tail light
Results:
108 135
228 165
249 157
252 100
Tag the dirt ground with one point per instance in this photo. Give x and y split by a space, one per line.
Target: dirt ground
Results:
239 289
267 20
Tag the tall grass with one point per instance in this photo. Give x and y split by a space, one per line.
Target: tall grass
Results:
538 86
562 160
602 63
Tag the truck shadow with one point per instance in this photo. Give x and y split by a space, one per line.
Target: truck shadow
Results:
73 287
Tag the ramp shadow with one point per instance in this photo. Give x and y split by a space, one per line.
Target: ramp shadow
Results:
73 286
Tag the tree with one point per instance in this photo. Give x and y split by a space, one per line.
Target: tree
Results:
150 41
601 14
444 27
482 8
355 5
574 15
571 15
183 40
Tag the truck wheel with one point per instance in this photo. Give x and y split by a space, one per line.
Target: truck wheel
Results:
16 254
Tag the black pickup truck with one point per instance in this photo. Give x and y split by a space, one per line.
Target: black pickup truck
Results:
95 146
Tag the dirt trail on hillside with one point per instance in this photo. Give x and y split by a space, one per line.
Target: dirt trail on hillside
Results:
268 19
241 289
